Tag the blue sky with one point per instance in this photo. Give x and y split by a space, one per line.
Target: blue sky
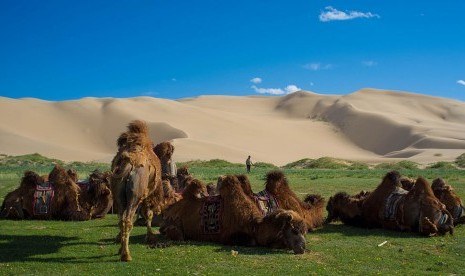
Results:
58 50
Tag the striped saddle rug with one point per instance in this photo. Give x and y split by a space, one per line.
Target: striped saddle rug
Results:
266 202
393 202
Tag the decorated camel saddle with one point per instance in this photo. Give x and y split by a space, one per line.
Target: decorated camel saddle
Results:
266 202
393 202
211 215
43 197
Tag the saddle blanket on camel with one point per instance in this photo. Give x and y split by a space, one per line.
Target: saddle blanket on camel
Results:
211 215
393 202
43 196
266 202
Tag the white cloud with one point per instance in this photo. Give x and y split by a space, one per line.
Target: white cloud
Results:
256 80
291 88
332 14
315 66
462 82
369 63
273 91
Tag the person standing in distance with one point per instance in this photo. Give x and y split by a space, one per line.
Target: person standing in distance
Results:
248 163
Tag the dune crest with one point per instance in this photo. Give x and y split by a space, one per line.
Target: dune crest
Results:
367 125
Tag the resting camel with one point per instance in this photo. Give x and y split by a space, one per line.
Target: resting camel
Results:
446 194
391 207
311 210
346 208
231 218
136 173
95 192
58 198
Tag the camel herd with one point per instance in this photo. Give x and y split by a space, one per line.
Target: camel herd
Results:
228 212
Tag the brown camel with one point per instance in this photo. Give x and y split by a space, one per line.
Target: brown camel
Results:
311 210
446 194
136 173
95 191
346 208
391 207
231 218
154 204
56 199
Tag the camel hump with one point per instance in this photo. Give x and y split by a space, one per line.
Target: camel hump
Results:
138 126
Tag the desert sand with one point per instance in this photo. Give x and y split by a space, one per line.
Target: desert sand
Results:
368 125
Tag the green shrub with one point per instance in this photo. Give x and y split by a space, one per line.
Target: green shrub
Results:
460 161
404 164
441 165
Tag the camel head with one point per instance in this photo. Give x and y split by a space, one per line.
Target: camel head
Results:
99 193
291 230
164 150
211 189
194 189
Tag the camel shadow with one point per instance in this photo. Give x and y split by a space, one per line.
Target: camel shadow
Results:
353 231
33 248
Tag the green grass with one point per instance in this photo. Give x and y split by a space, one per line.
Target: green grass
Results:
71 248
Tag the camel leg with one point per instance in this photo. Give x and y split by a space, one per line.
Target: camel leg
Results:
150 238
126 227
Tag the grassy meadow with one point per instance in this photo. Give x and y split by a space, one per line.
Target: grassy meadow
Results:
57 247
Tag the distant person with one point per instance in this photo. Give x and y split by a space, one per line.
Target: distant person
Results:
248 163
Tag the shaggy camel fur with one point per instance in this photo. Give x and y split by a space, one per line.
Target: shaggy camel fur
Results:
407 183
391 207
311 210
64 204
240 220
136 174
181 175
95 191
446 194
166 192
346 208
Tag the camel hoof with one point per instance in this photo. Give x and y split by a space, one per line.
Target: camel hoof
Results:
126 258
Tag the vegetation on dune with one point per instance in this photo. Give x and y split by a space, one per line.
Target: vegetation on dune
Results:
326 163
442 165
460 161
404 164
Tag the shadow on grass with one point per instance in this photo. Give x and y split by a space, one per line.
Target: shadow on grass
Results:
348 230
33 248
163 242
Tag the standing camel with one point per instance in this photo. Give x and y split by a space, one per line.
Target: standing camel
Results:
136 174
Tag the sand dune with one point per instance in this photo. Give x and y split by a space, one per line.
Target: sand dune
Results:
367 125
